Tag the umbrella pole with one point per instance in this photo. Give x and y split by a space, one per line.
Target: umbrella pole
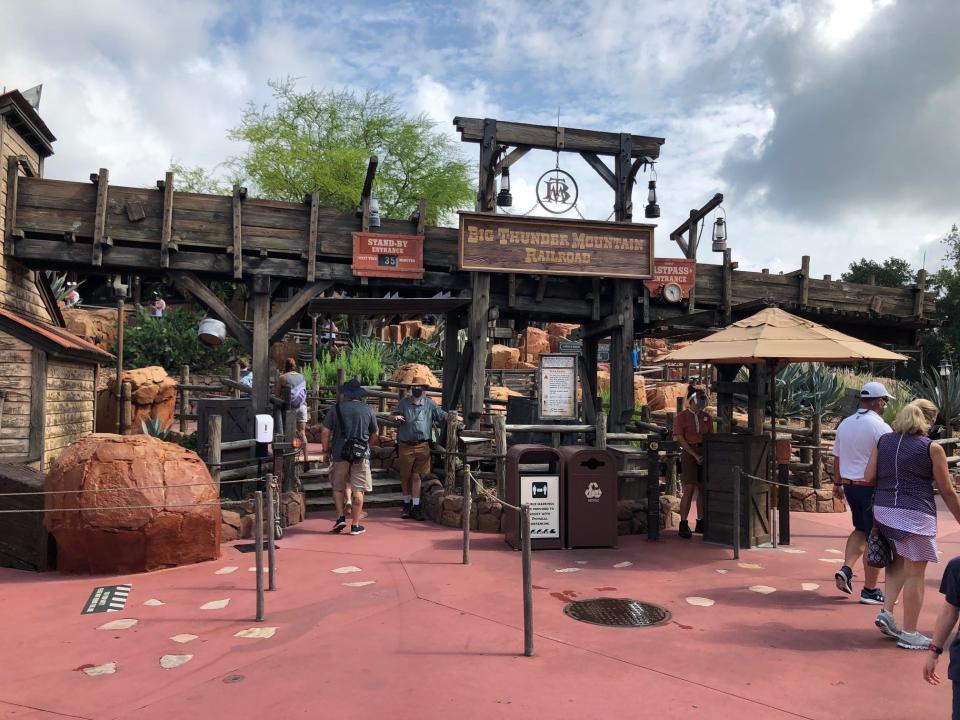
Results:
772 453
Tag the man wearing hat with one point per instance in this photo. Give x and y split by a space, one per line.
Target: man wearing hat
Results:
689 427
857 438
348 423
416 414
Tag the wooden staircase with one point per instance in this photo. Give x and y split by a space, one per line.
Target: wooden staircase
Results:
319 496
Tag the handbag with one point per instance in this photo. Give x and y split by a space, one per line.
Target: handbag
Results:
879 554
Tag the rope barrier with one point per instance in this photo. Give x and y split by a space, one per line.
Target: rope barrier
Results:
122 489
128 507
769 482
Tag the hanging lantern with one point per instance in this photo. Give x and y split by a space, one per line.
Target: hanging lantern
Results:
720 233
504 198
373 212
945 369
652 210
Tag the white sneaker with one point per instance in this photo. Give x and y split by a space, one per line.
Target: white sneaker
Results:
887 624
913 641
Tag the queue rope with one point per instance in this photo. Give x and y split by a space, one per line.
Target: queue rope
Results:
126 489
769 482
128 507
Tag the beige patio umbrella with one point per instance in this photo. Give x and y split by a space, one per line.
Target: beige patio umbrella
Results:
773 337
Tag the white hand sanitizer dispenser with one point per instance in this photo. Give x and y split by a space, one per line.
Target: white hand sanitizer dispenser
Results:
264 428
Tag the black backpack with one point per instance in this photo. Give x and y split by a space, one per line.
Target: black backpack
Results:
354 449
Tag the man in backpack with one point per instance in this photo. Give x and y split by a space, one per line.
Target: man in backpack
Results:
348 429
294 379
417 414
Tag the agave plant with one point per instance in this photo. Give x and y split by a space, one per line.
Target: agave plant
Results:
58 284
155 428
808 390
944 392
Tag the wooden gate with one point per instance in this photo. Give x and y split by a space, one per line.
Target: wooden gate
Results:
722 453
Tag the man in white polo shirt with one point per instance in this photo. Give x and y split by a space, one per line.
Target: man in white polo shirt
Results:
856 439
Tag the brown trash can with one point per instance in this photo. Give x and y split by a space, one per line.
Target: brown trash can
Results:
590 496
535 476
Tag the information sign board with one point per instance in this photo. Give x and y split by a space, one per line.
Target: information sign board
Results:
557 383
382 255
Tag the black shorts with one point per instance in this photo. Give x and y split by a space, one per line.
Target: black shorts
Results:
860 500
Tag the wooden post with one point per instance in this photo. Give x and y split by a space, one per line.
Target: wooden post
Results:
450 460
235 375
672 484
727 297
451 357
166 222
126 409
214 454
184 397
621 358
120 324
238 194
805 280
260 302
258 540
499 423
601 434
341 379
479 318
757 399
783 507
100 218
816 438
919 297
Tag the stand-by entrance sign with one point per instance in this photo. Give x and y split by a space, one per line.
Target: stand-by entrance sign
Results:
555 247
380 255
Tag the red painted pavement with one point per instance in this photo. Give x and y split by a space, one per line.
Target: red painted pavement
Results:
432 638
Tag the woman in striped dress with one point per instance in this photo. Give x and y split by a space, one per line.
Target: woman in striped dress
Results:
905 466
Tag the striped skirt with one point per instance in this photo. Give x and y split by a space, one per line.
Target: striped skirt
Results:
898 527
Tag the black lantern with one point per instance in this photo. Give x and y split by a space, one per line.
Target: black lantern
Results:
720 233
504 198
373 212
652 210
945 369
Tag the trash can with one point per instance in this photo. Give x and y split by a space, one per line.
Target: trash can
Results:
534 474
590 496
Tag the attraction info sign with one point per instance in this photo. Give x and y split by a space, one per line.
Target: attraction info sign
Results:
673 271
498 243
557 382
542 494
382 255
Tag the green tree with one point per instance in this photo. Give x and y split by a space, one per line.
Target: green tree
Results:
321 141
894 272
197 180
945 340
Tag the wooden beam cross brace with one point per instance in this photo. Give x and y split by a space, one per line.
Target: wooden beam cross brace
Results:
239 194
294 308
510 159
594 161
13 177
805 280
100 218
166 224
541 287
313 231
188 283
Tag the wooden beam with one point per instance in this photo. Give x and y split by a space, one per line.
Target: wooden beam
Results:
237 238
294 307
623 200
511 290
545 137
726 302
598 329
621 358
477 337
711 204
918 297
489 149
541 288
38 404
595 298
260 344
188 283
100 218
594 161
13 178
422 217
451 357
166 221
312 231
372 164
510 159
805 280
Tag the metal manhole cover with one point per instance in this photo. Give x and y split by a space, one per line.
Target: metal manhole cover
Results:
617 612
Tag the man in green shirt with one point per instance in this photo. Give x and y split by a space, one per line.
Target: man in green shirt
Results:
416 414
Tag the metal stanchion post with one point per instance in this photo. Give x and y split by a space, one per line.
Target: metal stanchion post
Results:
772 522
467 497
653 491
527 584
258 539
736 513
271 535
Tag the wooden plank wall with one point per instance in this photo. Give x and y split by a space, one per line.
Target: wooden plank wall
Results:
16 359
18 289
69 407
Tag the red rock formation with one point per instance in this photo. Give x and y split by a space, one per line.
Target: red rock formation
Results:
502 357
130 472
406 373
533 342
152 393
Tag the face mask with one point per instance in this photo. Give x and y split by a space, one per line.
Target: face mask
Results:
417 392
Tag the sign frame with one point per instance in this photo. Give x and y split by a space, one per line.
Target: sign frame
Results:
565 364
405 250
616 264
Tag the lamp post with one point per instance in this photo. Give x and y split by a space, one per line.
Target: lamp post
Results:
946 368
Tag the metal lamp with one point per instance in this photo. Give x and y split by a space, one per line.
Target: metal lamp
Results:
946 368
373 212
720 232
504 198
652 210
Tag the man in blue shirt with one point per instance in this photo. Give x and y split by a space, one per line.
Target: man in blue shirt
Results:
946 622
416 414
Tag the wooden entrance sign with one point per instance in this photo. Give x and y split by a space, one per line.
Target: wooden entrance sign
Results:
555 247
382 255
672 271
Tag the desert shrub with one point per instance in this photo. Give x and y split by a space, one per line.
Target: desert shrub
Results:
171 341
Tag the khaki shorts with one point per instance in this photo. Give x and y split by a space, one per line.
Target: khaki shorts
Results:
357 474
414 459
303 413
689 470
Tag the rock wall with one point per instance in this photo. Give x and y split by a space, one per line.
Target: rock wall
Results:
806 499
97 326
239 522
181 526
153 395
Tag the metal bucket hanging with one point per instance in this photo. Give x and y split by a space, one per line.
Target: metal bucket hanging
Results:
212 332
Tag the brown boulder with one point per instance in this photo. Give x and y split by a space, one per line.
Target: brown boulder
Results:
498 392
502 357
639 391
97 326
533 342
488 523
152 394
664 396
183 525
406 373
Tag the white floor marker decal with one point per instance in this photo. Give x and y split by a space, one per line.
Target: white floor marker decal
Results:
153 602
226 570
360 583
215 604
792 550
122 624
835 561
625 563
106 669
809 586
168 662
763 589
184 638
347 569
700 601
750 566
567 570
257 632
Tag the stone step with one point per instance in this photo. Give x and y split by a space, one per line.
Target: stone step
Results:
324 472
323 486
374 499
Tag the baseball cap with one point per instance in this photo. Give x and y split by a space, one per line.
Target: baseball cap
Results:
873 390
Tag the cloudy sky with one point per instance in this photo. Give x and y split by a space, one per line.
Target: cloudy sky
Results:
825 123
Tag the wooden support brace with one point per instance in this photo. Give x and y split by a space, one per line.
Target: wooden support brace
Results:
187 282
805 280
918 298
595 298
511 290
422 217
13 177
100 218
291 311
237 238
510 159
594 161
312 237
541 287
166 225
727 291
